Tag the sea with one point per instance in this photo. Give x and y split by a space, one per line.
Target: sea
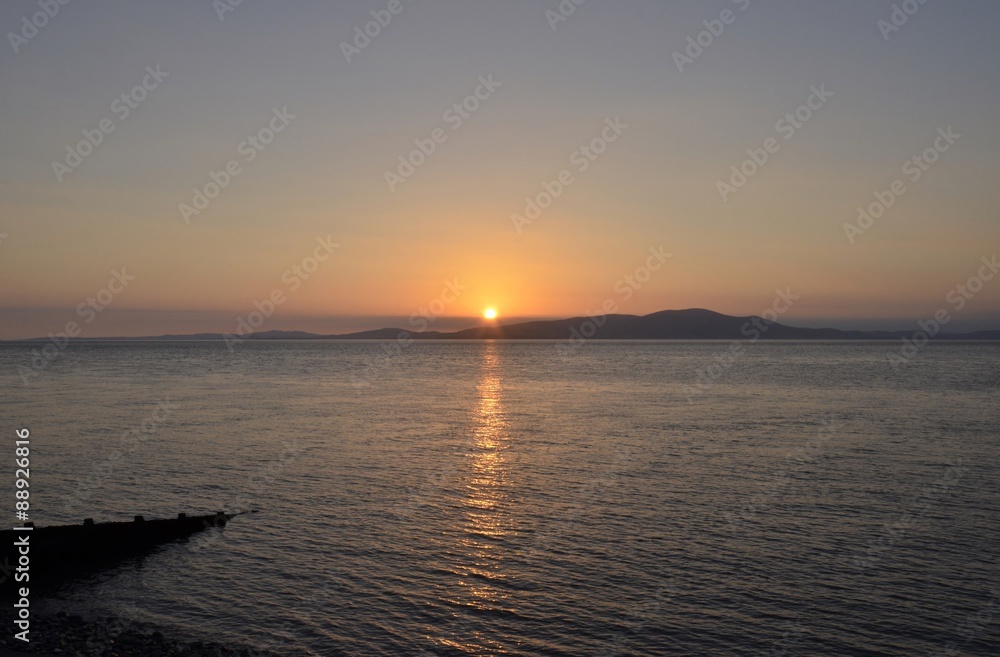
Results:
517 498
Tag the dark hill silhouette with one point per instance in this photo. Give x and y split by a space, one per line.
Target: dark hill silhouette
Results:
690 324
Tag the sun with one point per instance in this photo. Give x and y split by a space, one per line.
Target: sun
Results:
490 313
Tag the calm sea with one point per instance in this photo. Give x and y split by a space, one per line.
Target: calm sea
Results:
500 498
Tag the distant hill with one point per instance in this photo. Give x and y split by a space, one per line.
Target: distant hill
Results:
691 324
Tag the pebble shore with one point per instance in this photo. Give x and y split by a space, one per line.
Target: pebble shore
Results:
65 635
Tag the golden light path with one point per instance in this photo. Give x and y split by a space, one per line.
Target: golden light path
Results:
487 513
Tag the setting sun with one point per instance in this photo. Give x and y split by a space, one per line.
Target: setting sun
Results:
490 313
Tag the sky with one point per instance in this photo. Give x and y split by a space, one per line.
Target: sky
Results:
628 121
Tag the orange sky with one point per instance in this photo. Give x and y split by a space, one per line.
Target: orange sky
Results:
655 182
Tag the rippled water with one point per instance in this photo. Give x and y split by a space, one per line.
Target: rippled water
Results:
499 498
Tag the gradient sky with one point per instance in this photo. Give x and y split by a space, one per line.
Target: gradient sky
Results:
656 185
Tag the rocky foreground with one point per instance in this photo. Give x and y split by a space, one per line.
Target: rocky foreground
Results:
72 636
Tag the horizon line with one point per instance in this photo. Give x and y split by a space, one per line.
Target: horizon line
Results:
485 324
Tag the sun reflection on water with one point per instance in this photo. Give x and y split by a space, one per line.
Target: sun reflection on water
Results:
488 490
486 519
